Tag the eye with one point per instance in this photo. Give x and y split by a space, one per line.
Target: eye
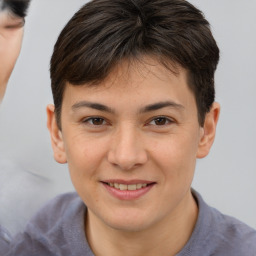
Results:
160 121
97 121
15 23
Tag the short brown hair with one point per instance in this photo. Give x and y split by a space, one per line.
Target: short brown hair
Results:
104 32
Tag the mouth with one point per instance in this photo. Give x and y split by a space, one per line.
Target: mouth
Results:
130 187
128 190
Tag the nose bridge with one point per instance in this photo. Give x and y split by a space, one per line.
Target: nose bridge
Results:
127 149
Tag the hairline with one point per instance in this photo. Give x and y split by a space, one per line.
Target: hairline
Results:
173 67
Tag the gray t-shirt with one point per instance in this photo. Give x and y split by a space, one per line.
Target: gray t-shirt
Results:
22 193
58 229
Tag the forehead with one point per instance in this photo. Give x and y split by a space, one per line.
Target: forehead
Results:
126 70
144 80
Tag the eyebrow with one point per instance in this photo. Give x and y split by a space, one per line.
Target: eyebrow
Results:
92 105
148 108
160 105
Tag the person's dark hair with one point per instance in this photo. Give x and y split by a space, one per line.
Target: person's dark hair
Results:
104 32
16 7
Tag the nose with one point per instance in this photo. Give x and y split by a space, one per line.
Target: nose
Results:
127 149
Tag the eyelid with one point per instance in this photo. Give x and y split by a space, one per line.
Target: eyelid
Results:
87 119
168 119
15 24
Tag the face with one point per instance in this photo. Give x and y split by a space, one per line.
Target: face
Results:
11 33
131 144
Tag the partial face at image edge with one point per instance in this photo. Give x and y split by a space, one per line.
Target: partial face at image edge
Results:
12 15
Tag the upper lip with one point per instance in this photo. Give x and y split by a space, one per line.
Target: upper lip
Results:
128 182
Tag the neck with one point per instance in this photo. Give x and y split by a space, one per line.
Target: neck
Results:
165 238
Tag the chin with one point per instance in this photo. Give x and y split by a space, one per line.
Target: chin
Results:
129 222
129 227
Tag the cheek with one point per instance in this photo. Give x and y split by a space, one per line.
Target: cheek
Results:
84 157
176 156
85 160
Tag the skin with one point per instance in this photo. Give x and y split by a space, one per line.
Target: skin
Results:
11 34
133 142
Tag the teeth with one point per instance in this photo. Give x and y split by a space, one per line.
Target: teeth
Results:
132 187
138 186
127 187
122 187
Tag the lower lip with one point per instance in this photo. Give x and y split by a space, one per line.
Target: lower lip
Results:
128 194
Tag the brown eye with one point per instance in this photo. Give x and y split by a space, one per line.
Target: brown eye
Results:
95 121
160 121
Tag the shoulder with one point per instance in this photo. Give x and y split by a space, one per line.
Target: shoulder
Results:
232 234
218 234
57 213
23 191
61 205
57 229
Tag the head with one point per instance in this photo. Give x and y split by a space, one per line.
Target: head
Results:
133 88
104 33
12 19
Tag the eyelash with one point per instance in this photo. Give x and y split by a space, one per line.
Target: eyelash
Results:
167 121
102 121
90 121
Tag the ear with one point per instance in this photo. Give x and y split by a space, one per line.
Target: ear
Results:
208 131
56 136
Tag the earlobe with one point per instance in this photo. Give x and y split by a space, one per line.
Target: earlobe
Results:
56 136
208 131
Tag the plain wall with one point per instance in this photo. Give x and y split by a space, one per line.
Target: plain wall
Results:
226 178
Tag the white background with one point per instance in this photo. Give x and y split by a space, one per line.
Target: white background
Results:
226 178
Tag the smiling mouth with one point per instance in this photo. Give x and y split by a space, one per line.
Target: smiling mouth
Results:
129 187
